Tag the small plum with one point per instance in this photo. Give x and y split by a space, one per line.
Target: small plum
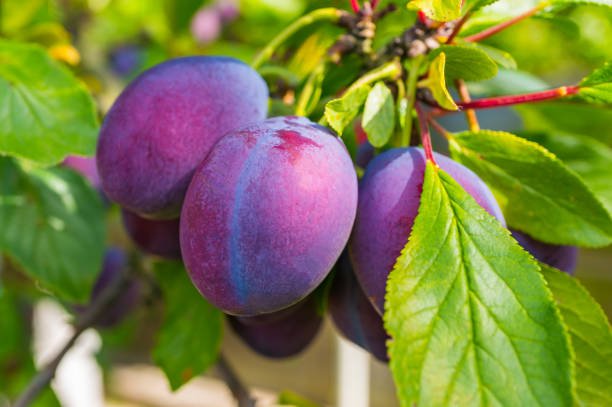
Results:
389 199
206 25
164 124
126 59
156 237
353 314
114 266
267 215
283 333
563 258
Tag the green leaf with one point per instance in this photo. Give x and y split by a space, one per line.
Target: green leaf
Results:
436 83
589 158
16 364
590 337
379 115
477 4
605 3
588 120
508 82
190 338
439 10
466 62
52 224
537 192
180 13
46 113
341 112
597 87
471 319
501 58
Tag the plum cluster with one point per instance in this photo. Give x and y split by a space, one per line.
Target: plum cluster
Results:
261 210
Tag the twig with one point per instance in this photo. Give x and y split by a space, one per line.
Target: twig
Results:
505 24
240 392
459 26
40 381
470 114
425 134
488 103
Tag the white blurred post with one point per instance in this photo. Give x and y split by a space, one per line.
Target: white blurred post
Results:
78 379
352 375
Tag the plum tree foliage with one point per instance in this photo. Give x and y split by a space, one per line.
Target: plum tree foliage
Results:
306 185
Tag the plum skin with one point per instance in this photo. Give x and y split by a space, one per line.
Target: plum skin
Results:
164 124
156 237
280 334
389 198
114 266
267 215
353 314
563 258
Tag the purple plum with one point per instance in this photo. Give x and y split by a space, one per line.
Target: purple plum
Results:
563 258
229 10
86 166
115 263
126 59
283 333
164 124
157 237
389 198
206 25
353 314
267 215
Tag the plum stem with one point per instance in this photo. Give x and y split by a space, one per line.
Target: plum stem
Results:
355 5
323 14
505 24
425 134
240 392
470 114
96 310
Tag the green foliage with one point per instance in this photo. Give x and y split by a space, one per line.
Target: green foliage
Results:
190 338
179 13
46 113
436 83
508 82
439 10
597 87
16 364
537 192
590 159
502 58
339 113
462 316
379 115
52 224
466 62
590 337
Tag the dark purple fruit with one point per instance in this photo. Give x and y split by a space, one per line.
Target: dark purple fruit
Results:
156 237
563 258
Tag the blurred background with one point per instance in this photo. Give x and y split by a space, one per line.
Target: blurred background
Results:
106 43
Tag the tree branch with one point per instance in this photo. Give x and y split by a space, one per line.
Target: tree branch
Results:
97 308
240 392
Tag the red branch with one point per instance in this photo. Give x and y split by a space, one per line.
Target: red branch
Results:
423 17
503 25
500 101
425 134
355 5
374 4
